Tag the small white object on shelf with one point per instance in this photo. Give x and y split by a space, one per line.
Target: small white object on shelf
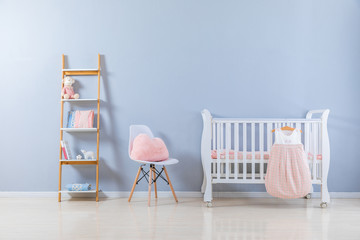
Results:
78 157
88 154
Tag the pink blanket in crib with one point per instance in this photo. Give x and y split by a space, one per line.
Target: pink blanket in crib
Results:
249 155
240 155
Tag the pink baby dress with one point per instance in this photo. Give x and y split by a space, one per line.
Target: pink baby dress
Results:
288 174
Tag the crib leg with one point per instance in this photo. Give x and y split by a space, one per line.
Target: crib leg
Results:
208 186
203 186
325 196
308 196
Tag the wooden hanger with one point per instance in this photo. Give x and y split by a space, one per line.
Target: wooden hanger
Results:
287 128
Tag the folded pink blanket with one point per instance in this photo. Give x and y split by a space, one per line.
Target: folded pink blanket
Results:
240 155
84 119
249 155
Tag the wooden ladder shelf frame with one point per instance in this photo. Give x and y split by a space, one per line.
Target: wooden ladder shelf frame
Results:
86 72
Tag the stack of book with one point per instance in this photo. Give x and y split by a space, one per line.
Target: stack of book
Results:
66 150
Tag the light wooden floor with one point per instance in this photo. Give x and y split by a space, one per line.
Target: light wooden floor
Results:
256 218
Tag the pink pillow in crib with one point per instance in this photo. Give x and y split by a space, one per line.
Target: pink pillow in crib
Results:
149 149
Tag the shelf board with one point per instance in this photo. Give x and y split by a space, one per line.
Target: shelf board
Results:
90 191
80 100
81 71
78 162
79 129
75 160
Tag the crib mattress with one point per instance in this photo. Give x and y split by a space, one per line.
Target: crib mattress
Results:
249 155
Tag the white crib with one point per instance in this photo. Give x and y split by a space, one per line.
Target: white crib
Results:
236 150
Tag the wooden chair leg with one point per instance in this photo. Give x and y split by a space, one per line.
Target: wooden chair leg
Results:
155 188
172 189
133 187
150 181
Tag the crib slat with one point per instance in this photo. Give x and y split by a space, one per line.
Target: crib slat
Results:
253 151
228 147
318 163
244 151
236 149
271 133
298 126
261 147
306 139
315 139
218 150
213 136
222 136
268 135
222 146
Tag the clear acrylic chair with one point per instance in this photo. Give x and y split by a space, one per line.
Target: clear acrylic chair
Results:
153 174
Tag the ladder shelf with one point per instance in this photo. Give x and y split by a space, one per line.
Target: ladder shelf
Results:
95 162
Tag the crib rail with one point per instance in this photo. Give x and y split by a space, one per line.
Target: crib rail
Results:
263 120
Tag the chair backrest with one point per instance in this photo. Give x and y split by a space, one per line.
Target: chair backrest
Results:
136 130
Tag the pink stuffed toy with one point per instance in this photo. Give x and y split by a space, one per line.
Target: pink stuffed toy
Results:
68 91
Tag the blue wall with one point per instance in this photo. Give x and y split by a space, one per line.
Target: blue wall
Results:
163 62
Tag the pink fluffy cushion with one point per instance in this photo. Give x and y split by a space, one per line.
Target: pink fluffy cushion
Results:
149 149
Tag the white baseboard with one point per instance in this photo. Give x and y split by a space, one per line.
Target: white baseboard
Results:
180 194
107 194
